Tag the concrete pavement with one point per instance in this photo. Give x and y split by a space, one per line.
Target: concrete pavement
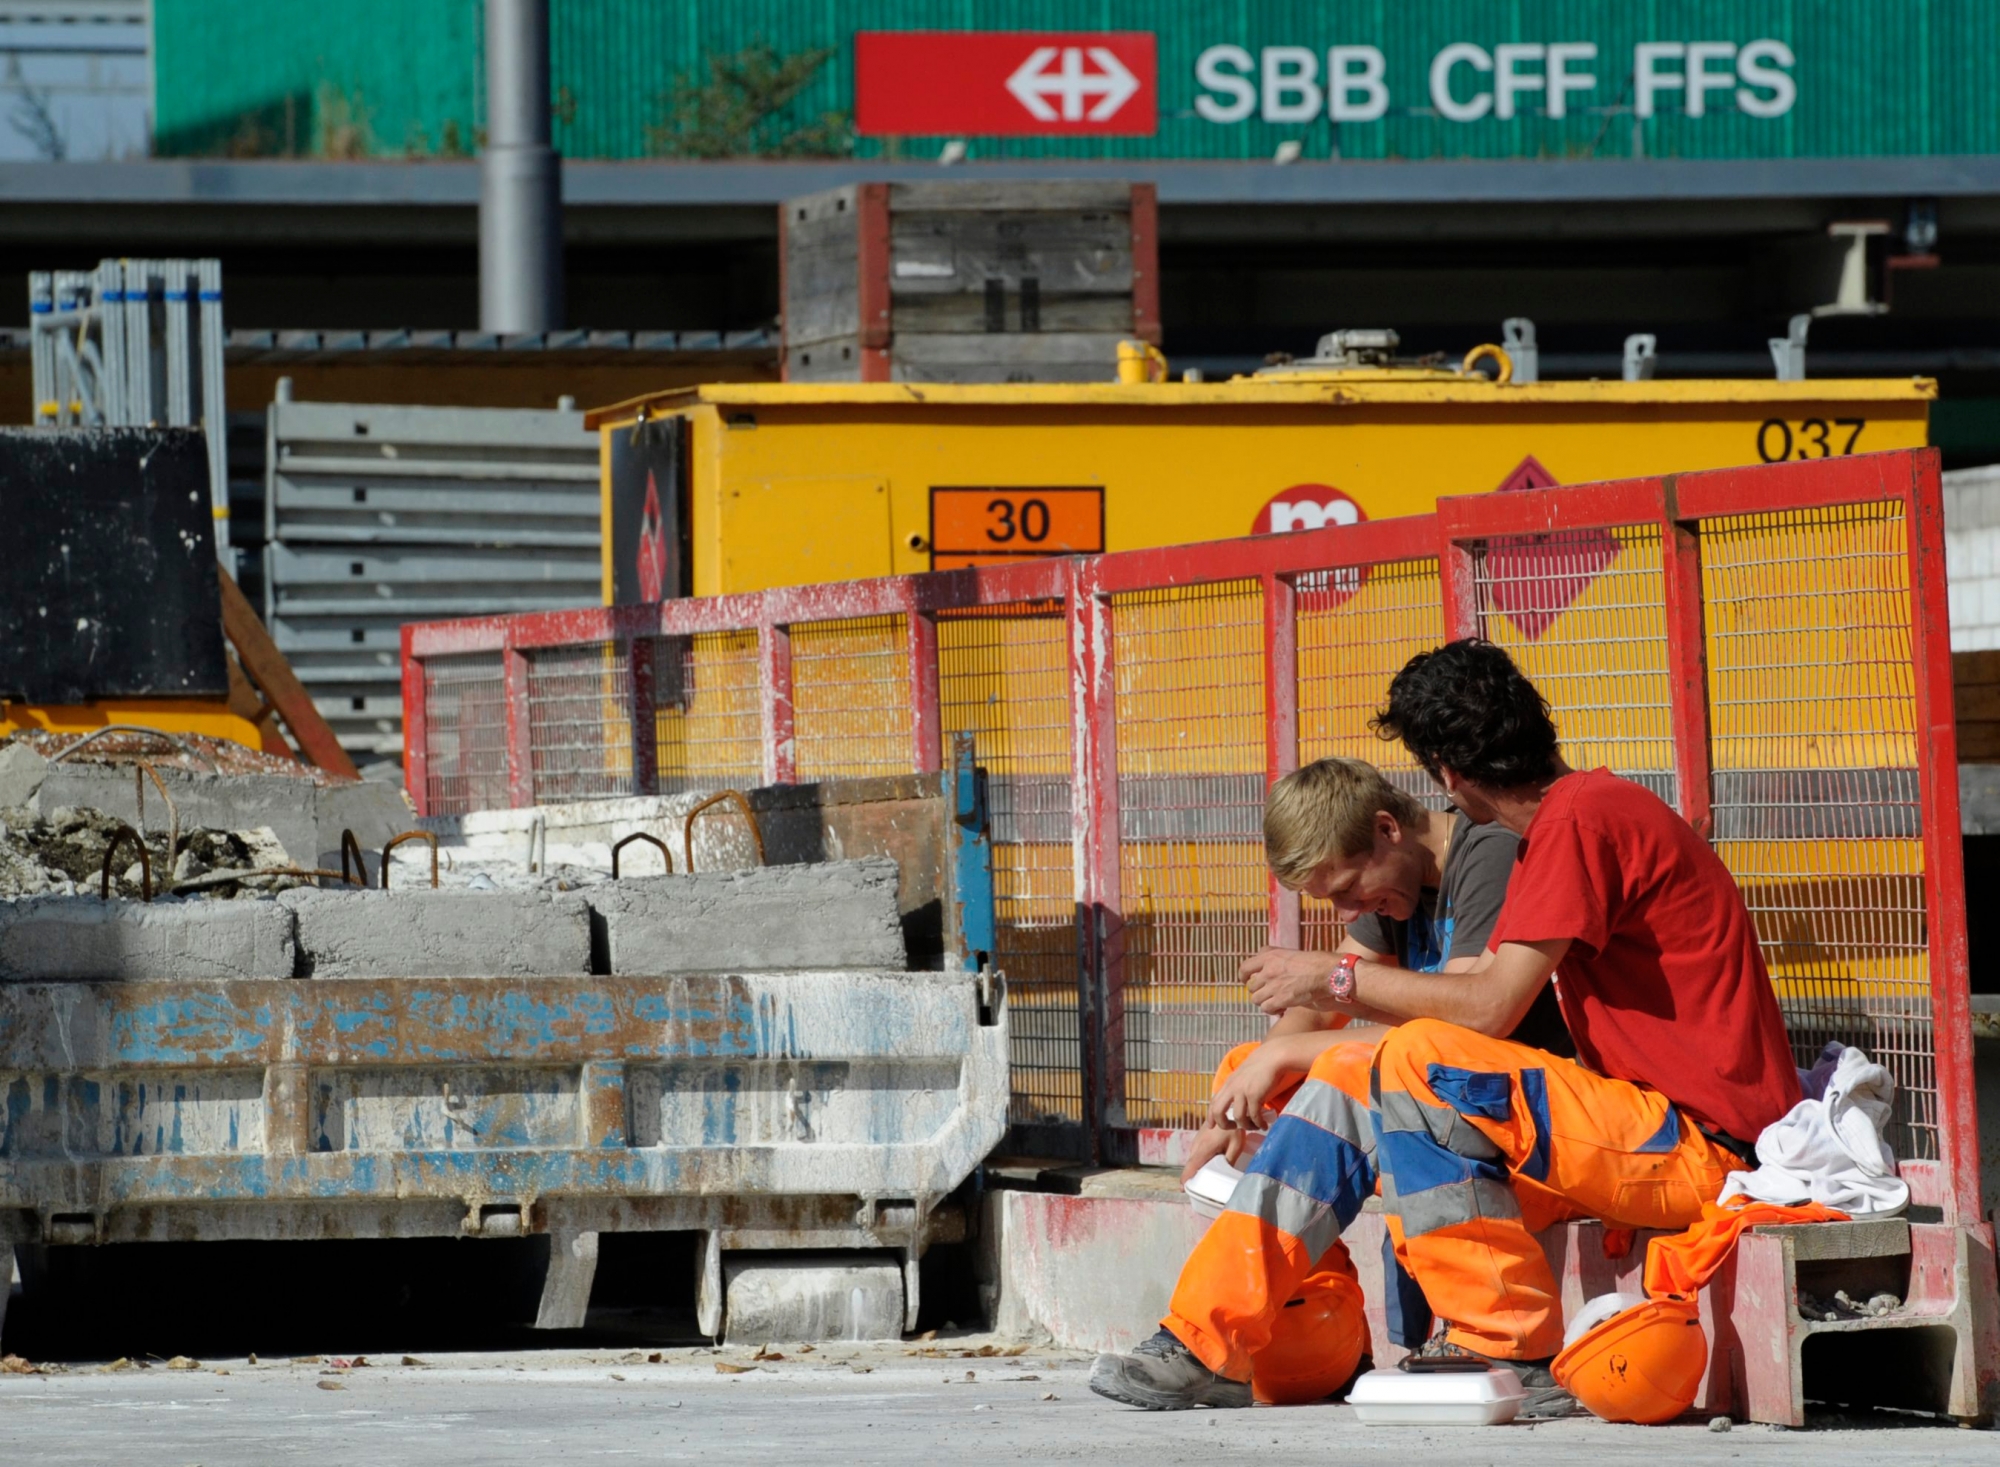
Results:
844 1403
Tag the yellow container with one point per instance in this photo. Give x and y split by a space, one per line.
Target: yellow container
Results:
797 483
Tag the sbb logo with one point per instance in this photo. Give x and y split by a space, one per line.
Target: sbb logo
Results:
1005 83
1306 507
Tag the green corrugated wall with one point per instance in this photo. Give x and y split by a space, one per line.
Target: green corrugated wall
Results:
1873 76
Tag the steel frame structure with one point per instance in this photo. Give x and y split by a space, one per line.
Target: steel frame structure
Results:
94 338
1897 501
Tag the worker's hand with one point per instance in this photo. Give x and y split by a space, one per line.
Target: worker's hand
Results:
1238 1102
1210 1142
1283 978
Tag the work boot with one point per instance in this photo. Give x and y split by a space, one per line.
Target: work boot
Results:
1545 1400
1162 1374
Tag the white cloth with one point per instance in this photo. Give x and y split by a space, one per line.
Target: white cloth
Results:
1832 1151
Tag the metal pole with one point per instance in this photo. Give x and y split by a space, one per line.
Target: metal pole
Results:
520 176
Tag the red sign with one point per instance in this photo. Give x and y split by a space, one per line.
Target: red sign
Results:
1005 83
1534 579
1307 507
1315 507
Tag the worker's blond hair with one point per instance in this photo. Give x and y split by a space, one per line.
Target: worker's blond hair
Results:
1327 810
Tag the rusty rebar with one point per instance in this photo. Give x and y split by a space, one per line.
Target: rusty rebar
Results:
423 835
687 826
110 728
350 845
145 864
651 840
173 810
223 878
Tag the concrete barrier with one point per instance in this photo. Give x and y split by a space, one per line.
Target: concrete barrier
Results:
811 1296
73 939
838 915
306 817
421 933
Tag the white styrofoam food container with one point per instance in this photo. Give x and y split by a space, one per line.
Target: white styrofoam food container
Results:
1208 1189
1436 1398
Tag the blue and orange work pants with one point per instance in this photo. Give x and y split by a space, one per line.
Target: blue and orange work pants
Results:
1477 1143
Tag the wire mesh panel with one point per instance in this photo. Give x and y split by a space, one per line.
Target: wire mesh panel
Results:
1003 676
580 721
1814 748
706 719
1189 667
465 710
851 697
1583 614
1356 629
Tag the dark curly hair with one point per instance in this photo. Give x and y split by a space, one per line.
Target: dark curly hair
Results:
1466 707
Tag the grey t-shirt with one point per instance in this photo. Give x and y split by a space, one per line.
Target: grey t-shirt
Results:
1455 918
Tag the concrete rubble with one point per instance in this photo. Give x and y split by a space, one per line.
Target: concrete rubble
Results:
61 853
499 910
304 814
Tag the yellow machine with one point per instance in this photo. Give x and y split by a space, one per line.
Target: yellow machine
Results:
787 484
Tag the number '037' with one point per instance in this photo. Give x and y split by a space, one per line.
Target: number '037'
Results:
1778 440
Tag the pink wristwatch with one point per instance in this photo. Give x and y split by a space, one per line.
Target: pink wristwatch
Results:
1341 984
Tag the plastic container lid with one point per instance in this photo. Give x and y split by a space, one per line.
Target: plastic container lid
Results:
1437 1398
1208 1189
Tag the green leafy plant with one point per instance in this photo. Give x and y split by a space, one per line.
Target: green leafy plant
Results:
743 109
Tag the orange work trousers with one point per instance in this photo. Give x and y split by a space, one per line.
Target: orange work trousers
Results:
1283 1223
1484 1142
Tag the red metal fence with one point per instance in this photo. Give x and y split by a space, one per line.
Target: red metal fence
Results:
1765 647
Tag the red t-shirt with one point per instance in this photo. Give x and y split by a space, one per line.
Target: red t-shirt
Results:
1663 983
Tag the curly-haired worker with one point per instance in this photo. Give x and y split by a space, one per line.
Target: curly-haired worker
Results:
1681 1054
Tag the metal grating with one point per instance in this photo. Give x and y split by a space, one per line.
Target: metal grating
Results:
1189 667
851 697
1583 613
706 717
580 722
1812 706
1356 628
465 716
1003 676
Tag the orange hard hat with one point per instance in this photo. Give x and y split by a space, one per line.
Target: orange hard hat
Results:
1316 1342
1643 1364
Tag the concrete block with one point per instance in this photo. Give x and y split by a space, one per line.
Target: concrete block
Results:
1086 1273
306 818
239 802
421 933
66 938
838 915
1096 1271
375 811
811 1296
21 774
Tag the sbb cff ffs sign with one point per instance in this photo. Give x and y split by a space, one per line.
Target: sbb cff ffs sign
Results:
1005 83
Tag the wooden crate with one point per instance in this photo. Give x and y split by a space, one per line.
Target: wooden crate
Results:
967 281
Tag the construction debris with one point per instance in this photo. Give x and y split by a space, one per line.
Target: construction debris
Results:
62 853
187 753
1841 1306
